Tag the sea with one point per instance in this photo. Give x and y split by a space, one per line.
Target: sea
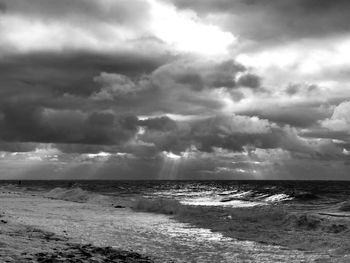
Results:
198 221
299 194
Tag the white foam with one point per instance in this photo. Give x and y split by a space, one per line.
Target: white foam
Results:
278 198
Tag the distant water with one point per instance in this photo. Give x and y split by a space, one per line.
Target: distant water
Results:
299 194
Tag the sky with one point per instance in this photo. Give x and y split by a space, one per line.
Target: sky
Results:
175 89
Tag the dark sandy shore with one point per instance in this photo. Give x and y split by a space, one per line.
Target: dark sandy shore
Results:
21 244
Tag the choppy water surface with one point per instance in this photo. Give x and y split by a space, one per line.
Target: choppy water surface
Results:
310 194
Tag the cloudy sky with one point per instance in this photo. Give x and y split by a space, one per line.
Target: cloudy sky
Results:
174 89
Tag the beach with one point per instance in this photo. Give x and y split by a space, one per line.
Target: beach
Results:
36 227
21 243
27 243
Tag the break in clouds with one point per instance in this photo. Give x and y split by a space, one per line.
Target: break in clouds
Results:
174 89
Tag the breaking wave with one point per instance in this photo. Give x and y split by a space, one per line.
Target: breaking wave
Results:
257 197
267 216
77 194
345 207
266 224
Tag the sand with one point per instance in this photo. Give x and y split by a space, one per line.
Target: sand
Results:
23 243
20 243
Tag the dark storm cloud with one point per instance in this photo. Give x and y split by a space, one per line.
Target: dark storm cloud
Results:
180 87
56 99
277 20
90 10
71 72
102 117
64 82
45 97
32 123
123 89
200 74
233 133
3 7
249 80
302 116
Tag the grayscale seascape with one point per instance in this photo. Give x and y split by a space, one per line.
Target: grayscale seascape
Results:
166 131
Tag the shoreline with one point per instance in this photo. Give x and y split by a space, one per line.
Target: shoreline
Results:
270 225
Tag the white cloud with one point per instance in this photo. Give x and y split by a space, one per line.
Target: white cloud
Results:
340 120
302 60
185 31
23 34
160 28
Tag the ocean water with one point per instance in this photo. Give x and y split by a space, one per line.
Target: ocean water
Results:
300 194
190 220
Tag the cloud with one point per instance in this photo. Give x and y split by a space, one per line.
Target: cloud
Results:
249 80
300 115
234 133
275 21
161 124
84 25
186 32
198 74
340 120
302 89
121 12
300 60
184 86
32 123
125 90
117 86
69 73
3 7
61 112
108 27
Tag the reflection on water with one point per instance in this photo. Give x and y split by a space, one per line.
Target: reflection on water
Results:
153 234
207 201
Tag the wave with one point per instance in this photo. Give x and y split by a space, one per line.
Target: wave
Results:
175 207
251 196
265 215
278 198
10 187
304 196
345 207
268 196
159 205
266 224
77 194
